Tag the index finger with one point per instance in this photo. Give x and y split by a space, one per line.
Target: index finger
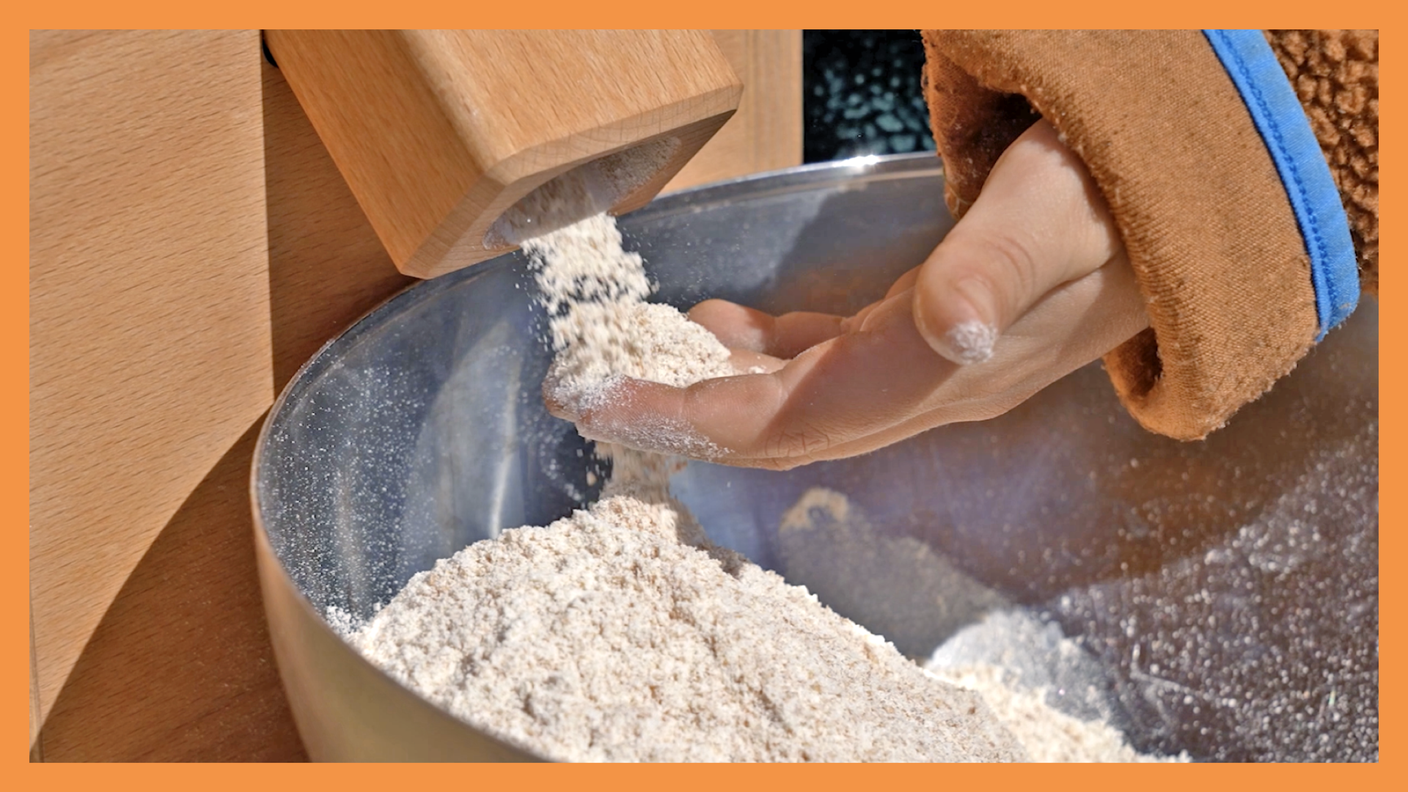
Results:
857 384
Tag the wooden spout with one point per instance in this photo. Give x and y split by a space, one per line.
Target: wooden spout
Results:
459 144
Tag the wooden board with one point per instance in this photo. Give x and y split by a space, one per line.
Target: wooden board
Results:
149 304
326 265
179 667
440 132
766 132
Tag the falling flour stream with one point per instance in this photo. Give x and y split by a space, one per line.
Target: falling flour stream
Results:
621 633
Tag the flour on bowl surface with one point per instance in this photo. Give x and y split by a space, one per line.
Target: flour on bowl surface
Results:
1051 693
1046 733
604 637
601 326
620 632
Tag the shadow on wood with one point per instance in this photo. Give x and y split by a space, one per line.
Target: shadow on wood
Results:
180 668
326 265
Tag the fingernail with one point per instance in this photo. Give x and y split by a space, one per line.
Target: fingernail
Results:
969 339
561 402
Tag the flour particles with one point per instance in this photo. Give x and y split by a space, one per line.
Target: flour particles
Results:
1045 733
603 637
1049 691
620 632
602 328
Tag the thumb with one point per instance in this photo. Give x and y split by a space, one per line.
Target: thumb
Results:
1039 222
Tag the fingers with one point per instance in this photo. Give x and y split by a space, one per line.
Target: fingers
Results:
746 361
1038 223
1068 328
784 336
904 283
741 328
875 386
843 390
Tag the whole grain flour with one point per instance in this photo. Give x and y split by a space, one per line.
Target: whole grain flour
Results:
603 637
620 633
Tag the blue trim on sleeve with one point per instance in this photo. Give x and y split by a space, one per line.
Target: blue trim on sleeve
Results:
1315 200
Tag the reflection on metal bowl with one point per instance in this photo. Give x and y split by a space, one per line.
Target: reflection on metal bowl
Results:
1228 588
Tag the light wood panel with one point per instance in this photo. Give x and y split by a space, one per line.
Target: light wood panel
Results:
149 303
766 132
180 668
440 132
326 265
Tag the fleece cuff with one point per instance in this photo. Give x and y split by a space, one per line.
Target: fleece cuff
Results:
1305 175
1206 221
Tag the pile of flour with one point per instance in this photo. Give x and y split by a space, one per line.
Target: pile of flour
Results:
620 632
602 330
601 326
603 637
1044 687
1050 692
1044 732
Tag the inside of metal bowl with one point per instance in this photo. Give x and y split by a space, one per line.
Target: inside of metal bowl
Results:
1227 590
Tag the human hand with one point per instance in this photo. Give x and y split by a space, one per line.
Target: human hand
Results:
1030 285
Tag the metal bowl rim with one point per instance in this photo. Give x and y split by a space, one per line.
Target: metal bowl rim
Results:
858 170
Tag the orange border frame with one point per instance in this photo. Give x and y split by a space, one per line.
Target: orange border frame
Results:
565 13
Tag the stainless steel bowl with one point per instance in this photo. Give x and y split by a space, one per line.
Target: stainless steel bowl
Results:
1228 589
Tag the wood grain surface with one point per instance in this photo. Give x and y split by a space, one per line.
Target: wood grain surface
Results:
766 132
438 133
175 664
326 265
180 668
181 663
149 303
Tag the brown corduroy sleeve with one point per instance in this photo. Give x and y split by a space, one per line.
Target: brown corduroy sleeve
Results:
1205 219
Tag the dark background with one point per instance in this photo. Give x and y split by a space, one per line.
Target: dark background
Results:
861 94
